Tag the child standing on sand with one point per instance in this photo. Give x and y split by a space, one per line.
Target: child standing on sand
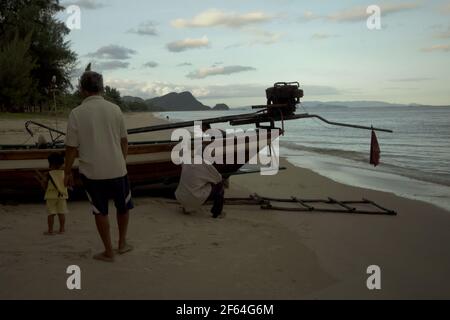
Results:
56 194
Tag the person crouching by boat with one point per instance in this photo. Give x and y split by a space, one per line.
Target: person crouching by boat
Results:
96 129
198 184
56 194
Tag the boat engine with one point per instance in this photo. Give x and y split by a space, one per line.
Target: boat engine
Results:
283 98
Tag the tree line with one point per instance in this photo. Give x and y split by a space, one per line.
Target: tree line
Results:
36 62
33 52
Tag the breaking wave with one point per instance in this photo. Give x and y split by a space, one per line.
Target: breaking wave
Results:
363 158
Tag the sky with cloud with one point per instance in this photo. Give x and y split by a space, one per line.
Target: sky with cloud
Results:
231 51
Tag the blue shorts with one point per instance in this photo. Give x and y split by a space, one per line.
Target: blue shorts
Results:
99 192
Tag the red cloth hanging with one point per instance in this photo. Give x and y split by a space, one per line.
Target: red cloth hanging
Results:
374 150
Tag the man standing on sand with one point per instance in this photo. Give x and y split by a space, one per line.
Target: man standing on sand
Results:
97 129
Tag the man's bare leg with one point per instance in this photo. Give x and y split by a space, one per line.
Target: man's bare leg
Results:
62 223
102 223
122 222
50 221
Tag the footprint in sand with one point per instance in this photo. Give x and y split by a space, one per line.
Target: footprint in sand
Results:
86 254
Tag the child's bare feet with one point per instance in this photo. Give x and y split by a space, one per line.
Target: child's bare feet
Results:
49 233
103 257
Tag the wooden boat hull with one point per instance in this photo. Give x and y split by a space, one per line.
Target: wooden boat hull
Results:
148 163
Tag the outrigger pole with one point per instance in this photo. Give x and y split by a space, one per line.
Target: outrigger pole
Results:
234 120
249 118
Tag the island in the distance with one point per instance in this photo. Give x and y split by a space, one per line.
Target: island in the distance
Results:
220 107
173 101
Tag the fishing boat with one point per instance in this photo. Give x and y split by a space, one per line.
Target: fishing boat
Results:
150 163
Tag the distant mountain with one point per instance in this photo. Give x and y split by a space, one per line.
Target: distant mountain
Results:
134 104
130 99
183 101
349 104
425 105
324 105
221 107
365 104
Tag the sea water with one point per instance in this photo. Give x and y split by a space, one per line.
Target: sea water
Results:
415 159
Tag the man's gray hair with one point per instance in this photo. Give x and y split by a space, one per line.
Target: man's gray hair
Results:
91 82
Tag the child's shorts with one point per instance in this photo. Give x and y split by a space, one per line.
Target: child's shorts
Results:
57 206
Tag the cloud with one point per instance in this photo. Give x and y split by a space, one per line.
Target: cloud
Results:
309 16
182 45
359 13
86 4
145 29
439 47
155 89
232 91
145 89
214 71
322 36
109 65
98 66
264 37
184 64
112 52
258 37
445 8
436 26
151 64
214 18
400 88
443 35
350 15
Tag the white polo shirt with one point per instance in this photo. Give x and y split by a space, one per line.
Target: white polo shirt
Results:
96 128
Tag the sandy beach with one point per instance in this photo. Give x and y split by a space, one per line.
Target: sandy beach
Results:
250 254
